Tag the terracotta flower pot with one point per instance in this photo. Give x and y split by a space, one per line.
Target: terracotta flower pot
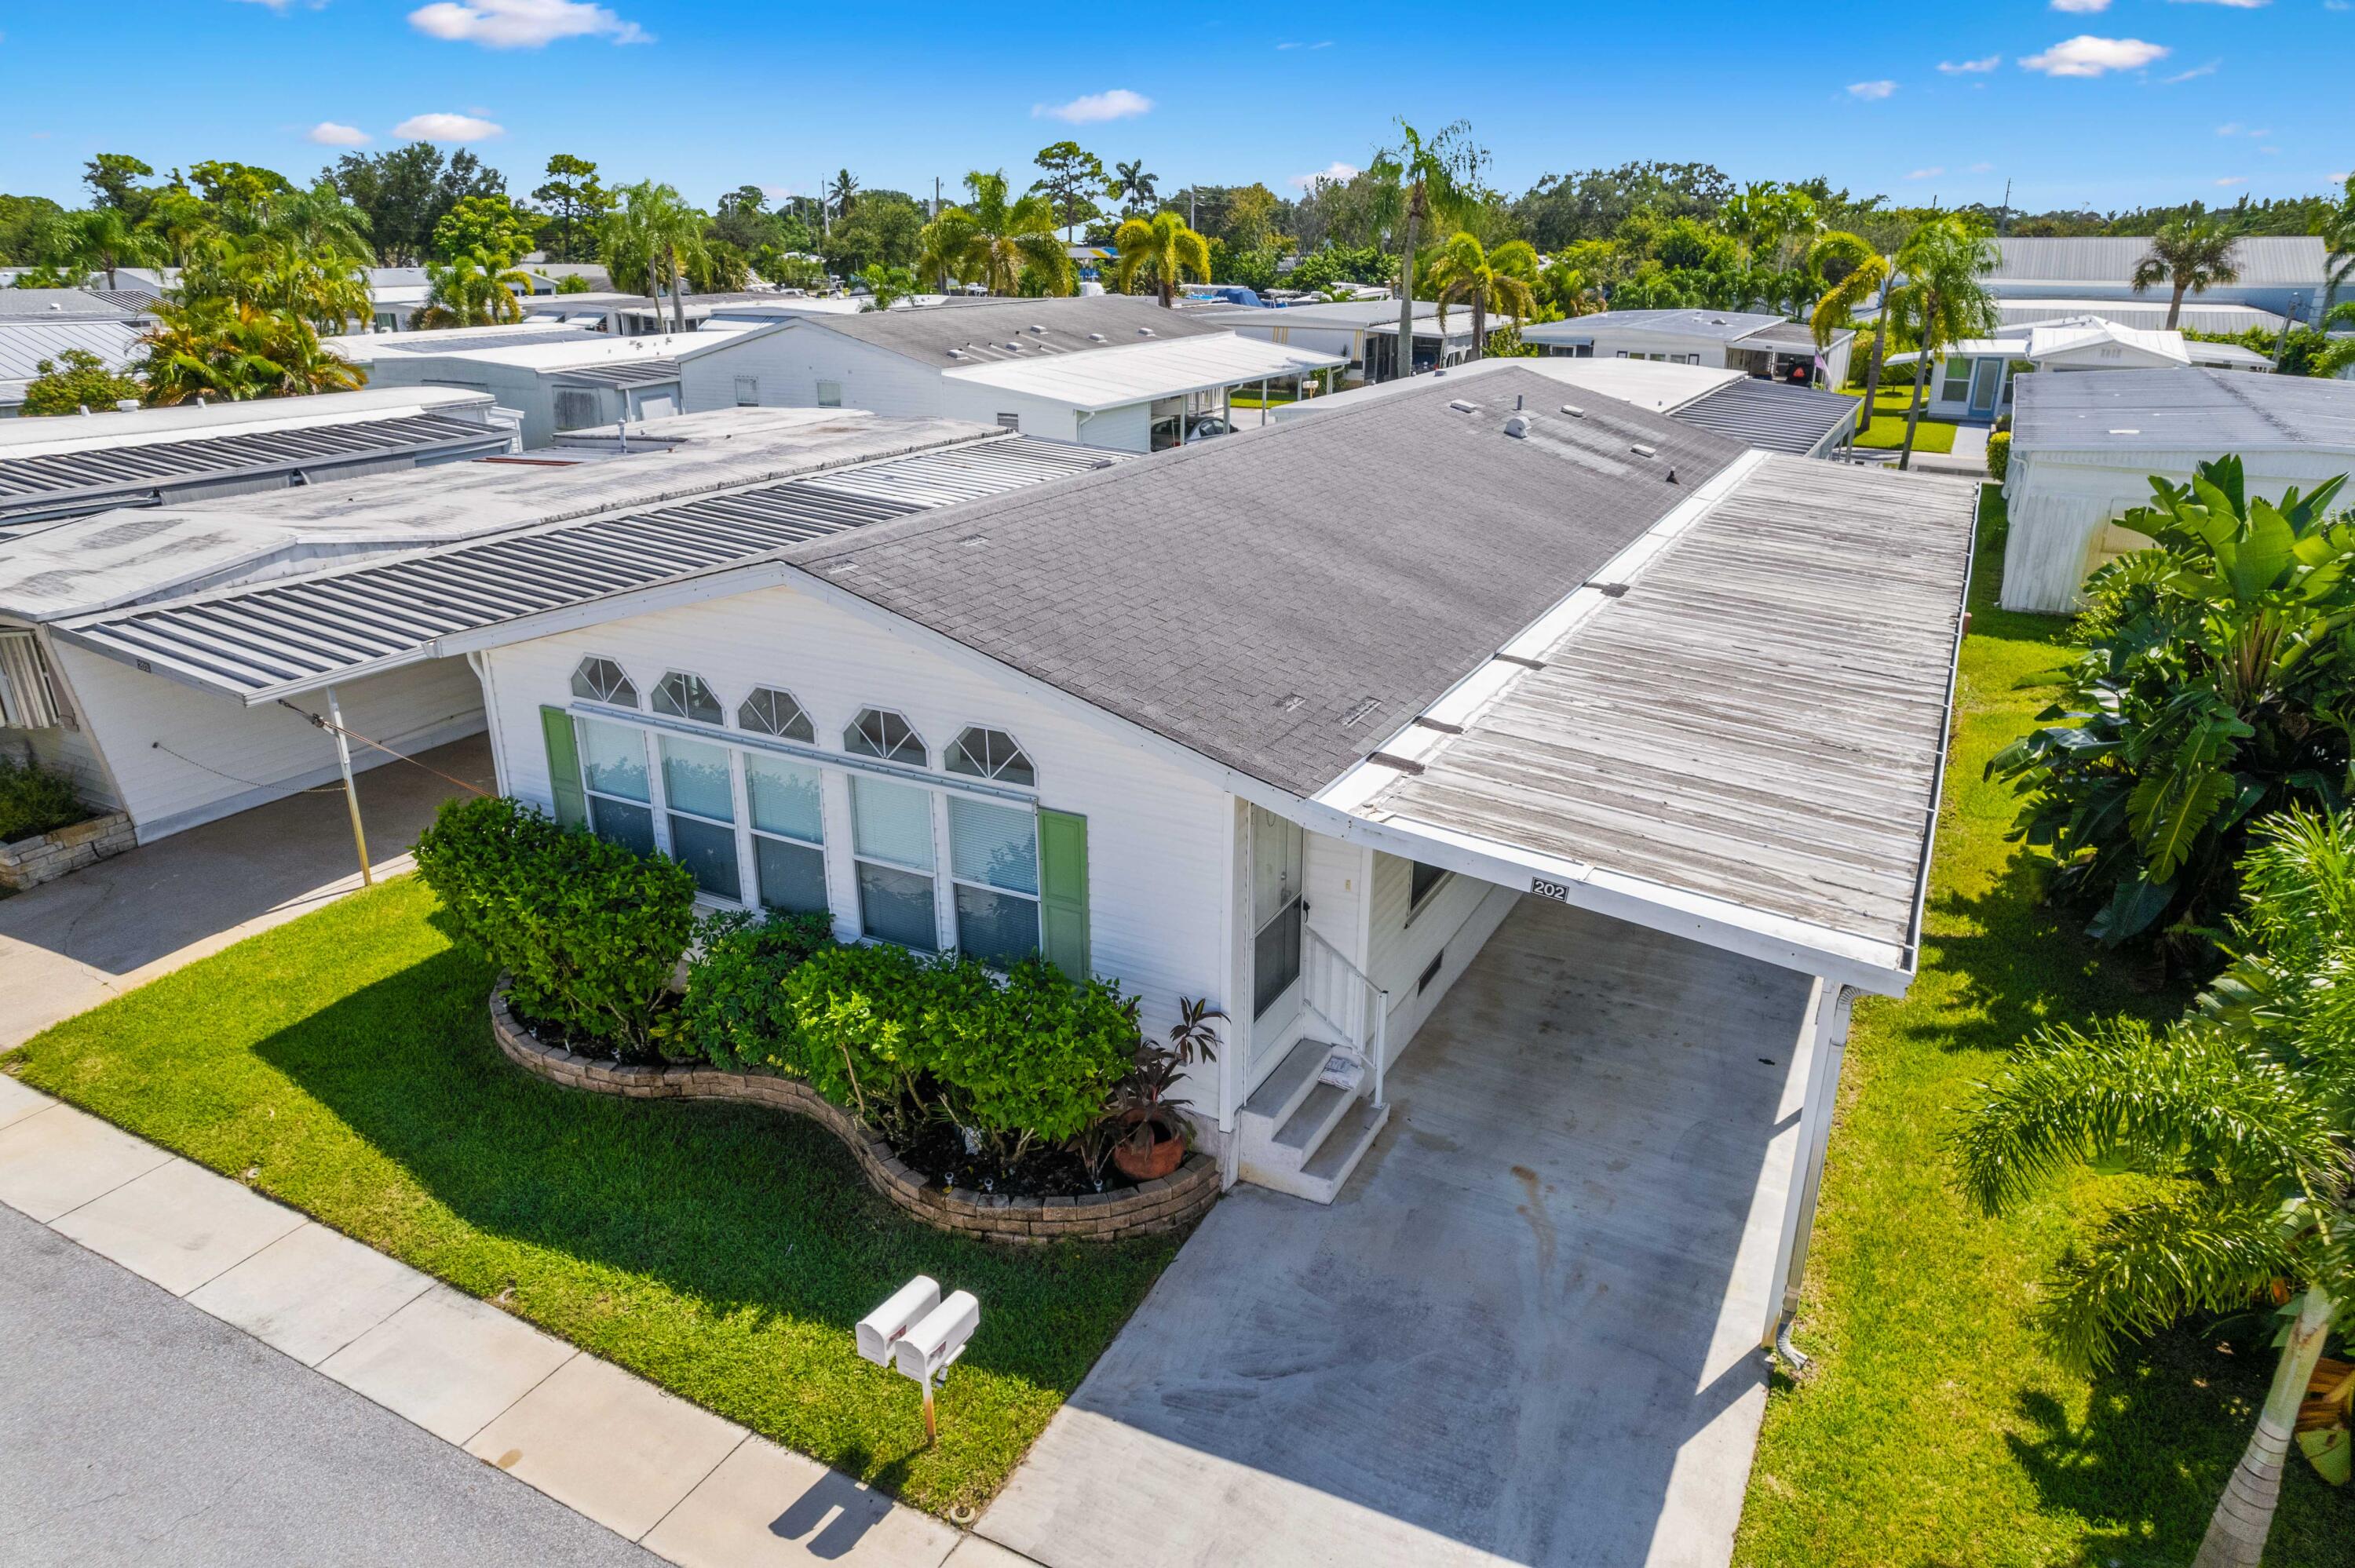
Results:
1164 1155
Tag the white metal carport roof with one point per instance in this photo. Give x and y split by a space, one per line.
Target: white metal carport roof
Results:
1139 372
1736 731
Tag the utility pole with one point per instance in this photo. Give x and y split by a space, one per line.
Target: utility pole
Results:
2003 219
936 197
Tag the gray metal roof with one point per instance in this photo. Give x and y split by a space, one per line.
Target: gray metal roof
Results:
65 304
1774 415
1279 599
983 331
2181 410
619 373
68 484
2270 261
1313 313
1715 326
475 337
265 640
24 343
1757 716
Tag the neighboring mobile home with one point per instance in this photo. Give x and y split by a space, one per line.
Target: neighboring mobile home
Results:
1363 333
2280 274
556 376
1291 721
1753 342
1972 381
2084 448
1112 371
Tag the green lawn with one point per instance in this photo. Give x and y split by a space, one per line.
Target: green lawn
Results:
723 1251
1888 427
1936 1428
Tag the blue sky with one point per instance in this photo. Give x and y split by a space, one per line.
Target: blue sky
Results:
2106 102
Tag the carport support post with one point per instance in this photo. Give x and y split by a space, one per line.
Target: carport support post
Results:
1827 1021
351 794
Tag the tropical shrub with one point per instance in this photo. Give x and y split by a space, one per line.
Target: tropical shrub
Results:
2212 688
848 1012
2240 1121
735 1014
1998 455
589 933
34 800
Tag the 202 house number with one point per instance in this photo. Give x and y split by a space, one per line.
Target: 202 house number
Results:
1557 891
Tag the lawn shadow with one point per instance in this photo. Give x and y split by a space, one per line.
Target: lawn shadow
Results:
740 1209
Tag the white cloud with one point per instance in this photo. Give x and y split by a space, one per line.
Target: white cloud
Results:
2235 4
1968 67
1872 91
1980 168
2086 55
1336 170
283 5
327 133
448 128
1094 108
2230 128
522 23
2200 70
2233 180
1325 45
2081 5
1932 173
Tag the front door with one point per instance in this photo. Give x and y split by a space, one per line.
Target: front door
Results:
1278 852
1986 375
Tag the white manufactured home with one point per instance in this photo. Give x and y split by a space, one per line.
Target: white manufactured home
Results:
2085 447
1753 342
1362 333
1243 722
556 378
1115 372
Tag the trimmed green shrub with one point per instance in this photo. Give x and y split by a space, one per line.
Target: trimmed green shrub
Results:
34 800
850 1012
1998 455
588 932
1030 1057
735 1014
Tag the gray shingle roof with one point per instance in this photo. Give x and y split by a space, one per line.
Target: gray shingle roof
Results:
2193 409
1280 600
980 332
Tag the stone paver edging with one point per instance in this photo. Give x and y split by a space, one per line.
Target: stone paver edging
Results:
1173 1201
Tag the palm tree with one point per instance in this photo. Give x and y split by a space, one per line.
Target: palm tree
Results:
2193 253
655 232
1942 298
1501 280
321 220
1161 246
217 347
1425 174
998 240
102 239
474 290
2241 1118
1856 272
841 191
1131 187
2339 247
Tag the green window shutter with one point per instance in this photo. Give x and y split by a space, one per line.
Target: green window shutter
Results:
1063 892
564 768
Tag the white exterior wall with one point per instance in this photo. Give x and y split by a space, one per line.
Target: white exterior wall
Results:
64 750
1159 840
1349 343
511 385
230 756
2063 507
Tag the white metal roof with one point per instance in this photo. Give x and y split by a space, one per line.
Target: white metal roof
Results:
1134 373
2197 315
1653 384
2062 338
23 345
1709 326
146 426
2184 410
362 347
2292 261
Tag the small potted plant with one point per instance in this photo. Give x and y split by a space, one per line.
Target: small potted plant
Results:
1154 1140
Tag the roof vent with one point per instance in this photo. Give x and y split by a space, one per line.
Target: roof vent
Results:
1035 328
2133 430
956 354
1465 406
1642 451
1095 337
1574 410
1518 426
1144 332
55 306
973 540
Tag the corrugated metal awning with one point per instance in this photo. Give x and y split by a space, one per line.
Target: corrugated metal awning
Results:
269 640
1774 415
636 373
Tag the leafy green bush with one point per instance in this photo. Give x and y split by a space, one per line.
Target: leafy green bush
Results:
34 800
735 1014
1998 455
2211 691
850 1011
588 932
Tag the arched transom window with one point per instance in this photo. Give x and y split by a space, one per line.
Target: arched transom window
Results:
879 732
601 680
991 754
686 696
771 711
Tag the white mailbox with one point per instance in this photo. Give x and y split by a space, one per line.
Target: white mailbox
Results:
925 1351
879 1330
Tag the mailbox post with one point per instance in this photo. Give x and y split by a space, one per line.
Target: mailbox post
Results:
921 1334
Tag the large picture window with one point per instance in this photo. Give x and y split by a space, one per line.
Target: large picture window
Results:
702 797
787 801
993 860
614 773
891 839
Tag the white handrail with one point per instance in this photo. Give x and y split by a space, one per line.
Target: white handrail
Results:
1350 1002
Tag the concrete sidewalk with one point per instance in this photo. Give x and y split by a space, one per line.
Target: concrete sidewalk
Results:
651 1467
68 945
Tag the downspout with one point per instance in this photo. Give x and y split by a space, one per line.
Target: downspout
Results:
479 662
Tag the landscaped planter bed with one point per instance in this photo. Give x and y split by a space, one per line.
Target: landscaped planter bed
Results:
1166 1203
45 857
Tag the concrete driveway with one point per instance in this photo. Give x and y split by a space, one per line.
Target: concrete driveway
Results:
68 945
1527 1332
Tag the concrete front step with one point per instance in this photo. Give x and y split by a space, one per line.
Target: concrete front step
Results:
1280 1093
1328 1170
1288 1128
